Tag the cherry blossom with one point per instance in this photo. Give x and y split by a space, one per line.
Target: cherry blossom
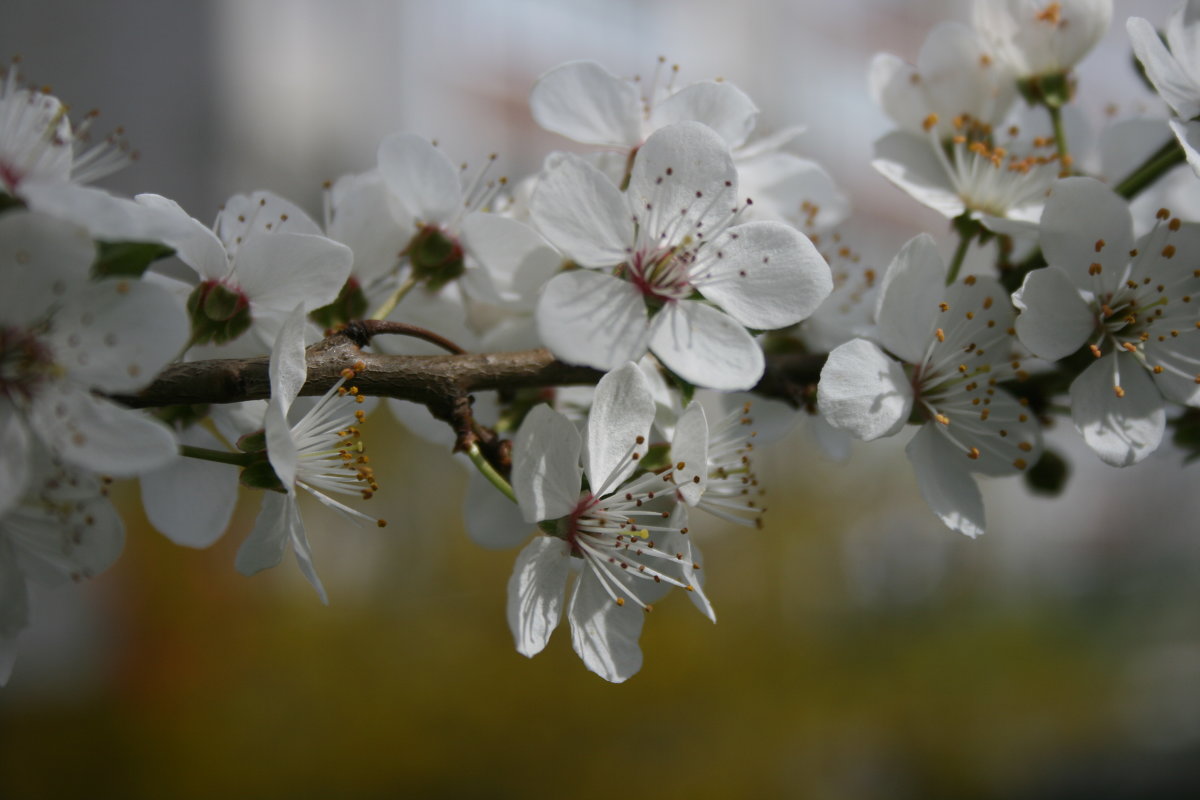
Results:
1130 302
321 453
1174 70
63 338
955 345
673 233
623 532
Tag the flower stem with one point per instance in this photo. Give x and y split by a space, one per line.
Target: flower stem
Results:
394 299
489 472
967 229
1162 161
1060 139
219 456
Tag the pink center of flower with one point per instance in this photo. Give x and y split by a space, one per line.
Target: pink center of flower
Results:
25 363
662 276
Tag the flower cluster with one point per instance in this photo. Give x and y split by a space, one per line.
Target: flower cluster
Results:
684 258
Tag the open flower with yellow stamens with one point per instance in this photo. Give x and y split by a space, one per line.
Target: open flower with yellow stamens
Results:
321 453
625 533
954 345
1135 304
670 266
1001 184
38 144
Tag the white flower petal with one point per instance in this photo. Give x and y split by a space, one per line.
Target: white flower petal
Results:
190 501
279 270
947 487
288 368
303 551
604 634
422 180
706 347
44 259
1085 223
361 220
721 106
864 392
622 412
583 214
585 102
1167 75
766 275
683 182
101 436
1188 134
908 298
1055 320
115 335
689 448
535 593
516 259
1121 430
895 87
264 546
15 463
194 243
908 160
492 520
592 319
8 657
14 597
546 473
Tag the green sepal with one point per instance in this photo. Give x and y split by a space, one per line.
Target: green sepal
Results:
8 202
127 259
218 314
260 475
1049 475
436 258
1053 90
1187 434
253 442
550 528
658 456
350 304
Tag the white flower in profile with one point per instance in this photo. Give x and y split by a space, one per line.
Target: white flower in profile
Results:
63 527
668 266
1002 185
955 345
321 453
66 340
1038 38
623 532
585 102
1174 70
1132 303
38 144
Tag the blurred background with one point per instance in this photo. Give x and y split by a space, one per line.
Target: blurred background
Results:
863 651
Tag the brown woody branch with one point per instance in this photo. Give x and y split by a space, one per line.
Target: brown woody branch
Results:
442 383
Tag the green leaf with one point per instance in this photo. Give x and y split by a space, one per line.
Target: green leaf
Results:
127 259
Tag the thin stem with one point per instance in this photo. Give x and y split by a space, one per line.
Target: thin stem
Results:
960 254
361 332
489 472
1162 161
394 299
1060 138
219 456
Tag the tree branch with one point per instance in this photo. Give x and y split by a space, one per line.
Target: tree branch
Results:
442 383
